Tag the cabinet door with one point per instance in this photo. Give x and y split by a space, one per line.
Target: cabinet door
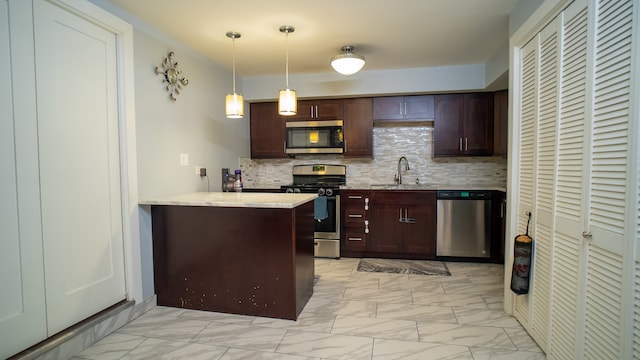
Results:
388 108
419 230
358 127
500 122
330 109
267 130
449 113
386 228
419 107
477 128
403 108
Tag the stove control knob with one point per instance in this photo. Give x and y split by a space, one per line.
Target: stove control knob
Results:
289 191
320 192
328 192
296 191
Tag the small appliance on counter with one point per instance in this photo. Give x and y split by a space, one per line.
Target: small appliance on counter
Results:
231 182
325 180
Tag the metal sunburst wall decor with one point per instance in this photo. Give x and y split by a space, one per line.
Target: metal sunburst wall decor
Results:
172 76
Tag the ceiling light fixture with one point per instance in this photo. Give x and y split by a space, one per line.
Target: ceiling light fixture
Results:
347 63
234 103
287 100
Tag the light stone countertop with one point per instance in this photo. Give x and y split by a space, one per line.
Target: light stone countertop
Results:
232 199
422 187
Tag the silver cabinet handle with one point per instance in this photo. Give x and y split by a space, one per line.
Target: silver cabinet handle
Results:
366 226
407 219
356 216
405 108
460 144
354 239
587 234
366 204
401 219
466 144
355 197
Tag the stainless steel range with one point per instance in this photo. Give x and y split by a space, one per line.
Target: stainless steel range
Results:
325 180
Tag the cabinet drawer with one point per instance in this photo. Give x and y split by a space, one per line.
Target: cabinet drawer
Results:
354 216
355 239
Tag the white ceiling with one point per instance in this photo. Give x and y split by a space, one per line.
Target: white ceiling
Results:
391 34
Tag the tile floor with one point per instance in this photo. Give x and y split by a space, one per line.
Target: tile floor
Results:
352 315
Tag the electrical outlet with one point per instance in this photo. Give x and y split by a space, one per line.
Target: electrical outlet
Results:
202 171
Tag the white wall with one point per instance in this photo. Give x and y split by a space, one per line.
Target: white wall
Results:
195 124
378 82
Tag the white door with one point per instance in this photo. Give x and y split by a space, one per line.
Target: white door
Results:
569 211
608 230
22 299
585 186
526 154
545 175
79 165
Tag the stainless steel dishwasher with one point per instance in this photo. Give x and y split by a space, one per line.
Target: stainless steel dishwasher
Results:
463 223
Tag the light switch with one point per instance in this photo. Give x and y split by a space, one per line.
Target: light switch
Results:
184 159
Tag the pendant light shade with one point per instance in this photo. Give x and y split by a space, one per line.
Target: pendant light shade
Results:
287 102
287 99
347 63
234 103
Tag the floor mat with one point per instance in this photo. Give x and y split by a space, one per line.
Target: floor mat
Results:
396 266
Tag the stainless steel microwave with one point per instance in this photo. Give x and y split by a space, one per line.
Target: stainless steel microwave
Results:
315 137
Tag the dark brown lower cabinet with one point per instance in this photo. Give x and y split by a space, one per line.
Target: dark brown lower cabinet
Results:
390 224
403 222
247 261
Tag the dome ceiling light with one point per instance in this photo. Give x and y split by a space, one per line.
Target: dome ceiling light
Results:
347 63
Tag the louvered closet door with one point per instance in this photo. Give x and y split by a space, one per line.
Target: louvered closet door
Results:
526 160
608 184
545 181
569 208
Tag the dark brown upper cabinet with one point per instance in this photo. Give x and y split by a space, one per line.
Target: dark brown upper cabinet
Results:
309 110
463 125
358 127
403 108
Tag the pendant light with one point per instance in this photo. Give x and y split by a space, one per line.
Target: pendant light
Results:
234 103
287 100
347 63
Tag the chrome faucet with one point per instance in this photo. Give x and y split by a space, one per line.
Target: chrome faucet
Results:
398 178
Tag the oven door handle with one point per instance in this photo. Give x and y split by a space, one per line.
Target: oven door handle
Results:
328 197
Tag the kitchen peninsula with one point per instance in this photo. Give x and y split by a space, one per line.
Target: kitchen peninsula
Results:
240 253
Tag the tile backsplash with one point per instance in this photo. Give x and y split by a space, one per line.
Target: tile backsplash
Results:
390 142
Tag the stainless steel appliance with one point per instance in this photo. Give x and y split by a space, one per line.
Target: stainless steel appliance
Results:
315 137
325 180
463 223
